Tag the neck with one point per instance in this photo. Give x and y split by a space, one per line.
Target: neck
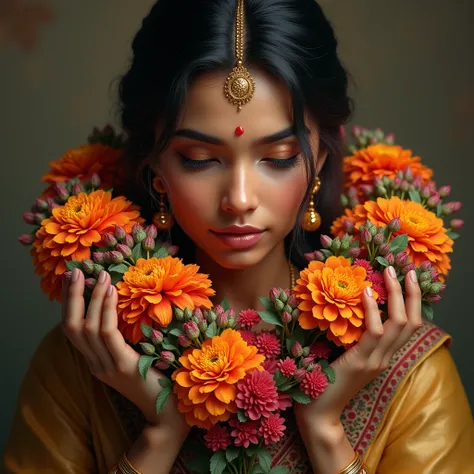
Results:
242 288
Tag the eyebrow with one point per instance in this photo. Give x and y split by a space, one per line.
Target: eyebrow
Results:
203 137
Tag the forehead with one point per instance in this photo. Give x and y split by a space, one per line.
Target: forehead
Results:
207 109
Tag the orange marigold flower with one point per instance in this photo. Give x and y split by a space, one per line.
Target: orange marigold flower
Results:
206 383
82 162
427 238
150 287
381 160
73 229
330 296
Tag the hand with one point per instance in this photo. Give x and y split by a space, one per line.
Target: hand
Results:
368 358
108 356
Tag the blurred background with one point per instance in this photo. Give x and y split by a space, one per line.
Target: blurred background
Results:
412 68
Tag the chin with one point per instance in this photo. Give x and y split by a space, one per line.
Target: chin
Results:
238 259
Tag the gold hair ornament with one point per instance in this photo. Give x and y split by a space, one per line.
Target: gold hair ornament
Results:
311 218
239 86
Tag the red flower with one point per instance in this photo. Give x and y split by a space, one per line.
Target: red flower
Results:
284 401
320 350
217 438
270 365
268 344
314 383
271 429
287 367
244 433
360 262
378 284
249 337
248 318
257 394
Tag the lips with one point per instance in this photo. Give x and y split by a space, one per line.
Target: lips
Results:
239 237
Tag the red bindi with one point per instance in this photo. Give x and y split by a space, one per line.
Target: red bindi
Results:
239 131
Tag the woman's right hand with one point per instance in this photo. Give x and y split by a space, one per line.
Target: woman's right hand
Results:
110 359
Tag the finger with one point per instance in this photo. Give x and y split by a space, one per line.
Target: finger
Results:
413 311
93 322
374 328
73 322
113 338
66 281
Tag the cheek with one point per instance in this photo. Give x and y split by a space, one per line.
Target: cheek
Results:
287 198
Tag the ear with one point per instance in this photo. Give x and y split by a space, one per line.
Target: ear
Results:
320 160
158 184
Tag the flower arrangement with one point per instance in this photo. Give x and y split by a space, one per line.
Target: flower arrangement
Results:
233 381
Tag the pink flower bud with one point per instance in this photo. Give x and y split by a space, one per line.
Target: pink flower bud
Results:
384 249
292 301
29 218
300 374
365 236
139 236
379 238
198 314
162 365
434 200
404 186
26 239
390 258
156 337
319 256
168 357
41 205
61 191
184 340
394 225
296 349
172 250
128 241
408 174
408 268
435 288
348 226
191 330
116 257
52 205
109 240
434 274
354 201
433 298
402 259
396 183
124 250
295 314
76 189
425 266
274 294
119 233
307 361
444 191
367 189
309 256
417 182
326 241
425 192
354 252
451 207
286 317
98 257
136 228
95 181
456 224
352 192
90 283
87 265
151 231
39 218
148 244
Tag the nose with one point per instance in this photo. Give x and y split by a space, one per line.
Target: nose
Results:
240 192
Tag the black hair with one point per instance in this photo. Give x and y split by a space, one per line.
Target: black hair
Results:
292 40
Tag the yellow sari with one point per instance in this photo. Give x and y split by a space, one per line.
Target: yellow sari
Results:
414 418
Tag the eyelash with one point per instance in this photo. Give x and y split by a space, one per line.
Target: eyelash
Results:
188 163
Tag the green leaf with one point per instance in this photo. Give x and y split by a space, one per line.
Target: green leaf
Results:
160 253
211 330
264 459
115 277
399 243
382 262
299 334
218 462
146 330
73 264
251 450
137 252
285 387
330 374
167 346
300 397
165 382
323 363
225 304
162 398
279 378
327 253
231 453
414 196
453 235
267 303
439 210
176 332
270 318
241 417
257 469
427 311
121 268
279 470
144 364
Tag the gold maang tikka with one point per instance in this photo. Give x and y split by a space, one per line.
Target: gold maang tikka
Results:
239 86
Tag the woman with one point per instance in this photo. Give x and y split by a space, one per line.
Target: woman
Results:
238 184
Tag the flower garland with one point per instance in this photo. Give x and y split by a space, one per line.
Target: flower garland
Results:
230 380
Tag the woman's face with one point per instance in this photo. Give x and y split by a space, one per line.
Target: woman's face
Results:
236 197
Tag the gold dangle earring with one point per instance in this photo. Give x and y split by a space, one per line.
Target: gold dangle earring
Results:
311 218
163 220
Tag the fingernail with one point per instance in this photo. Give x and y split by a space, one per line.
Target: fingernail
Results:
413 277
102 276
109 290
392 272
75 274
368 290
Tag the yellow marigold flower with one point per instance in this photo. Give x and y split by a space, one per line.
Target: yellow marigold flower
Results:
150 287
330 296
205 384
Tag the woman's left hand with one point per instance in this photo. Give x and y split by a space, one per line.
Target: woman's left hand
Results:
367 359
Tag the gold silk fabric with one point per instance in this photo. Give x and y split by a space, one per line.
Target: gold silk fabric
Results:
412 419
